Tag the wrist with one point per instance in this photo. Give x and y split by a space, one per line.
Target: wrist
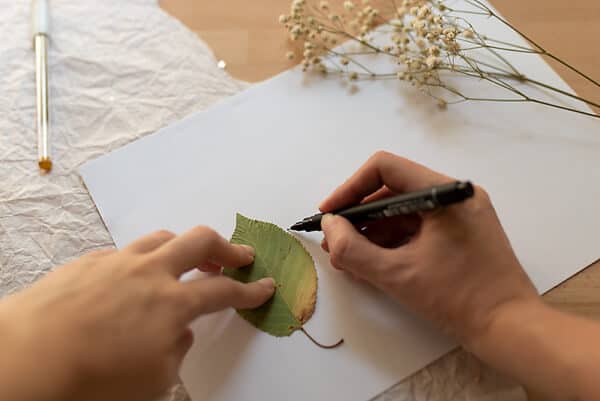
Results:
500 321
541 347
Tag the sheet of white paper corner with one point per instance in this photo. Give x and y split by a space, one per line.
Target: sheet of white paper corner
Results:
275 150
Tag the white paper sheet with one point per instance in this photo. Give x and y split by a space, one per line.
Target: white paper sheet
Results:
274 151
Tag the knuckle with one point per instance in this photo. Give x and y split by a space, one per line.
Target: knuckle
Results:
482 202
338 251
151 293
99 253
163 235
180 300
383 270
209 235
139 267
408 278
482 194
381 154
193 301
143 265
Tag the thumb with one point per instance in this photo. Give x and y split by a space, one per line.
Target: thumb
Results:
349 250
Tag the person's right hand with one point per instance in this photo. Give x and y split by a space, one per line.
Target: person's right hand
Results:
457 268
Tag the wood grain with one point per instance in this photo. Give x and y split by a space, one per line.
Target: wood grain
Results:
248 37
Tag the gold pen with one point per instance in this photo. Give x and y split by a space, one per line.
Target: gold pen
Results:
40 30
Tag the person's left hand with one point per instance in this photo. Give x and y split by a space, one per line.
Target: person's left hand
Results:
113 325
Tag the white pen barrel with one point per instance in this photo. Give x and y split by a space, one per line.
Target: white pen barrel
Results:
41 77
40 29
40 18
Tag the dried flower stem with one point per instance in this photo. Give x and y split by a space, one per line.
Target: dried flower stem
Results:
534 43
428 40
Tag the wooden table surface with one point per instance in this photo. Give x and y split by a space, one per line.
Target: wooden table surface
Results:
246 35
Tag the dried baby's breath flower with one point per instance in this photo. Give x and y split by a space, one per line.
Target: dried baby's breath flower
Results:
468 33
453 48
424 12
290 55
434 51
432 61
426 39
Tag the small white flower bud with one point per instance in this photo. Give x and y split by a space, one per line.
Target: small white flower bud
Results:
468 33
432 62
423 12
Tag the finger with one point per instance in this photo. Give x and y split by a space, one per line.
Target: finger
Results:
324 245
381 193
150 242
217 293
199 246
397 173
351 251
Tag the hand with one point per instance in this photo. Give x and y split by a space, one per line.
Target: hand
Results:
114 325
456 267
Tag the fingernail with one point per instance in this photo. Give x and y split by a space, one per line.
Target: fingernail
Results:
326 220
267 282
249 250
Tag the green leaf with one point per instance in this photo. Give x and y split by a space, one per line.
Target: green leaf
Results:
281 256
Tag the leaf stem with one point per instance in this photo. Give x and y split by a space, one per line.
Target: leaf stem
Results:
318 343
